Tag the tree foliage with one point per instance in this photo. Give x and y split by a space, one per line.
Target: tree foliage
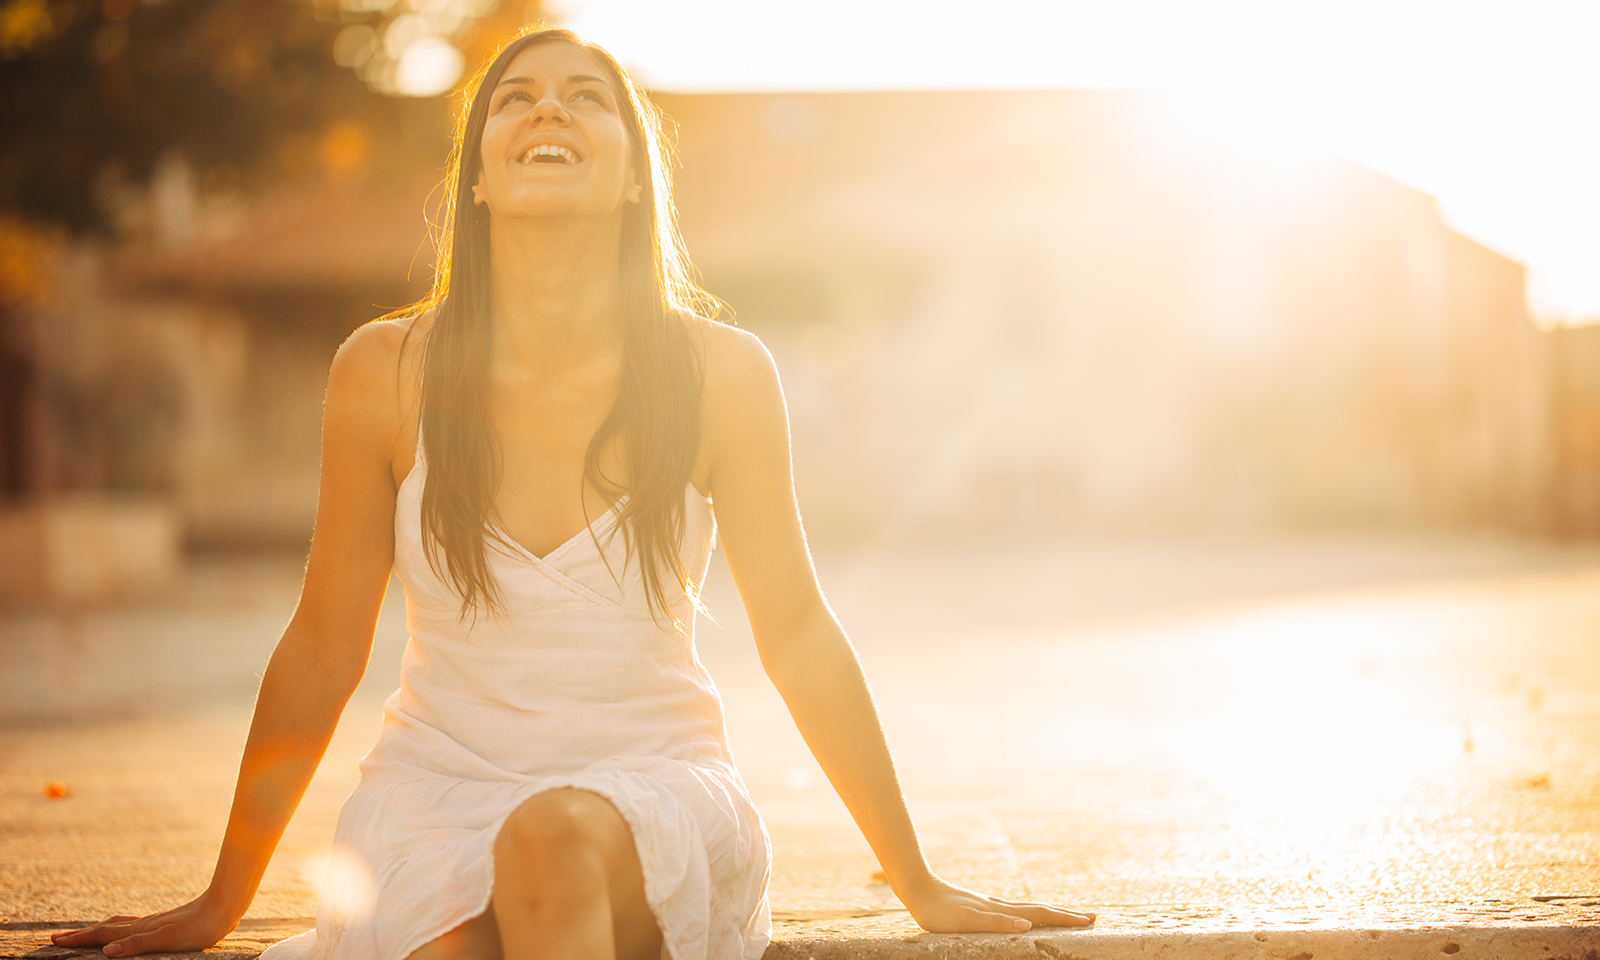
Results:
97 92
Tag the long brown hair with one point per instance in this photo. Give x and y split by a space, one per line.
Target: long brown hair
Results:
656 416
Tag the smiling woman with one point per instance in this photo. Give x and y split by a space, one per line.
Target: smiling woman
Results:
616 194
534 451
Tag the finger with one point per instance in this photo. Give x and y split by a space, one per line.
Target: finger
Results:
70 936
1031 905
107 929
138 943
969 919
1060 916
1045 915
1001 922
97 924
1069 918
1054 917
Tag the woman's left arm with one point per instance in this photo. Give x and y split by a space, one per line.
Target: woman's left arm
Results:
745 433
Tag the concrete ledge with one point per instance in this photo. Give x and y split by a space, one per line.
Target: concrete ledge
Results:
891 937
906 942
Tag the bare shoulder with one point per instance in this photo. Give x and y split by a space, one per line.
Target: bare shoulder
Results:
739 370
378 363
744 426
373 384
379 348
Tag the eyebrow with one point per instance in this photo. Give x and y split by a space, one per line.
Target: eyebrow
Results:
575 78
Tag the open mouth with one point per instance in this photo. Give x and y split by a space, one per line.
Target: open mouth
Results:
549 153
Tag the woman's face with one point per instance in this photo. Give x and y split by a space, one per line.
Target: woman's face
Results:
555 144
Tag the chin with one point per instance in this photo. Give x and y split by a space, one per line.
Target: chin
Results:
533 201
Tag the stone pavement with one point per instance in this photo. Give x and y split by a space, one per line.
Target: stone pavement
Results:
1291 749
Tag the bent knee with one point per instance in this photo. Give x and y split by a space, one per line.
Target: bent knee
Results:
558 823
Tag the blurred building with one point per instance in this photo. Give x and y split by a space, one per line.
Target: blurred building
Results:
259 299
992 311
1575 376
170 386
1064 309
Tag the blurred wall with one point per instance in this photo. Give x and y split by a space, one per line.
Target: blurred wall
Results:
992 311
1576 383
185 366
1056 309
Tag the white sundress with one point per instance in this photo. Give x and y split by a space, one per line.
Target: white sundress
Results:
576 686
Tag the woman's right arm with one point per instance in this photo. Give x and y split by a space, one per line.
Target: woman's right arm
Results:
320 658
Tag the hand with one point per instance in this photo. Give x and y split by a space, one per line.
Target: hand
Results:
193 926
941 907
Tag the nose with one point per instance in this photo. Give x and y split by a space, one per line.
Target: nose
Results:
548 110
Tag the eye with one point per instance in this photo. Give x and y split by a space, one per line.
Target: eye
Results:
513 94
593 95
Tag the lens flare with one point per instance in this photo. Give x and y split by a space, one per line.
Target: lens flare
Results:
345 884
428 67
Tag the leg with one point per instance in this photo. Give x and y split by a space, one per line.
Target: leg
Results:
477 939
567 883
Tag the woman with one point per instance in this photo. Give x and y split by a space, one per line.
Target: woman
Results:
534 452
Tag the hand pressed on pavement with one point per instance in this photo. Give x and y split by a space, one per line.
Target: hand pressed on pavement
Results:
942 907
193 926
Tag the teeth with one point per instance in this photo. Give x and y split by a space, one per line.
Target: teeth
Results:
550 150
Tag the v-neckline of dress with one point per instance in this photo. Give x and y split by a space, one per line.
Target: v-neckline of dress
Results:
415 477
591 531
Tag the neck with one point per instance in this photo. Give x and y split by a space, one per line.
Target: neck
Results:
555 291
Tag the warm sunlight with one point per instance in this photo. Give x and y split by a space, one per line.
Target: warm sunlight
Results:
1484 106
714 480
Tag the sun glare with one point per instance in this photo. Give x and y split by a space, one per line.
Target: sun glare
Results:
1260 129
1486 107
1318 720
